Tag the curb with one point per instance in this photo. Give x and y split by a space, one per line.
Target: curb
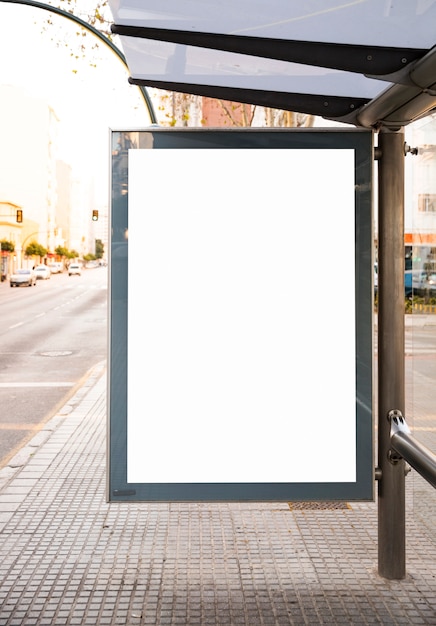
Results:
17 462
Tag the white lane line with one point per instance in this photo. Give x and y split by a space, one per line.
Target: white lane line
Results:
59 384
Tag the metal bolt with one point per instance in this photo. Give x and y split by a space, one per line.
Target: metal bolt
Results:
394 457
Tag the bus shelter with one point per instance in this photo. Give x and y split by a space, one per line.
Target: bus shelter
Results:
369 65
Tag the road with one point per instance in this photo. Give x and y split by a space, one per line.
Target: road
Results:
51 335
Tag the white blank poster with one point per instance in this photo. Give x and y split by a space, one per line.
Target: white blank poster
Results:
241 321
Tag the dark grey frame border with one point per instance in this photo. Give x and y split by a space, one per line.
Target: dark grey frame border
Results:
159 138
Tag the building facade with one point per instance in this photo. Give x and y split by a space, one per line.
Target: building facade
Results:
28 128
420 216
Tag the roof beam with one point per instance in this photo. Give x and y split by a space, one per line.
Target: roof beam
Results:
399 105
372 60
325 106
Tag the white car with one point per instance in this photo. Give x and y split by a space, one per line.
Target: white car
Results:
42 272
56 267
23 277
74 269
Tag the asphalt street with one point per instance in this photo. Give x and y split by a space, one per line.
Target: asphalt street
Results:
51 336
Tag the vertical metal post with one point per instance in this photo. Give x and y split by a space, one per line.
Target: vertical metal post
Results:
391 363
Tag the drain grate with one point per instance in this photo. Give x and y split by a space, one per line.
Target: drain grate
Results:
318 506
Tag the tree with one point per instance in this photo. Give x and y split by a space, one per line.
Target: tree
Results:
99 249
65 253
61 251
96 13
222 113
35 249
7 246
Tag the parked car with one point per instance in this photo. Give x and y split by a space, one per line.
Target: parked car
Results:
429 285
74 269
416 283
42 272
56 267
23 277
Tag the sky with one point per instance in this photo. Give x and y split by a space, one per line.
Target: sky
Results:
87 100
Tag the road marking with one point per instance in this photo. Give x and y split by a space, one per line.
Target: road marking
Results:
32 427
16 325
60 384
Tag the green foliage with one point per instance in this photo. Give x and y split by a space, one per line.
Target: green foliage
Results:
89 257
99 249
35 249
420 304
61 251
7 246
67 254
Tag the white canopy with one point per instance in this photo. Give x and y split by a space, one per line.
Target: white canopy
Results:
364 62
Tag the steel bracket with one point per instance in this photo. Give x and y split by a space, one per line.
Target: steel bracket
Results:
398 424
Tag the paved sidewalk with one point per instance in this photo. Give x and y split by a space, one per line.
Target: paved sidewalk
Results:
68 557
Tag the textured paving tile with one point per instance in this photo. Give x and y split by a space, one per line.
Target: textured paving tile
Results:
68 557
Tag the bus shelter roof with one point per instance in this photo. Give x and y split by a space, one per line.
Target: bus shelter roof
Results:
368 63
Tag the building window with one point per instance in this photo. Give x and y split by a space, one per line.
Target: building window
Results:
427 202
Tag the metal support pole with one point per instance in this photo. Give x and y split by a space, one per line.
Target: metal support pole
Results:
391 364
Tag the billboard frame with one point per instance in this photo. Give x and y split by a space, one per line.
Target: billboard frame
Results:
122 141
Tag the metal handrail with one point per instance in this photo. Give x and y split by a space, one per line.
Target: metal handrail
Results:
415 453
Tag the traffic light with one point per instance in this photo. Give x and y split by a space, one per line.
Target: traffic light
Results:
94 215
19 216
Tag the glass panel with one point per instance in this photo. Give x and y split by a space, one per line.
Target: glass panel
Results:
170 62
399 23
420 261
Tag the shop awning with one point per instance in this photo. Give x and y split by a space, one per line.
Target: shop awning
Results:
364 62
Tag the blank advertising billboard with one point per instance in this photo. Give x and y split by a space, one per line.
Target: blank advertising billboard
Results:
241 307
